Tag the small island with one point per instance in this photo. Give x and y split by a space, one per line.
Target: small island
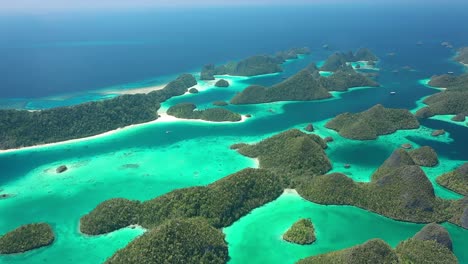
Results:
451 101
196 241
26 238
188 111
291 154
301 232
341 59
222 83
456 180
424 156
372 123
427 246
252 66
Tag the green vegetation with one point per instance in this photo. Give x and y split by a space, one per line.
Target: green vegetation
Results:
300 87
420 251
340 59
255 65
221 203
344 78
462 55
399 189
301 232
452 101
27 237
436 233
459 212
187 111
306 85
425 156
372 252
193 90
176 241
372 123
109 216
456 180
291 154
222 83
24 128
424 247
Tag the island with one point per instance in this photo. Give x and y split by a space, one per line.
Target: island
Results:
21 128
372 123
462 55
221 203
451 101
26 238
424 156
341 59
291 154
427 246
220 103
252 66
399 189
306 85
301 232
222 83
456 180
191 240
187 111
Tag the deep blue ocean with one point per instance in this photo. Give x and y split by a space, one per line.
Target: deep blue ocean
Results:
52 54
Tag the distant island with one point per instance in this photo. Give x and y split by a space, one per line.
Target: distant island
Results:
255 65
301 232
21 128
373 122
451 101
462 55
456 180
26 238
340 59
187 111
430 245
304 86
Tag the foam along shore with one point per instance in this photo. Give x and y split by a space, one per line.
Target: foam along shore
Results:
425 82
163 118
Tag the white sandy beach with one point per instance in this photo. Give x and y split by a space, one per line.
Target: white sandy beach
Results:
163 118
143 90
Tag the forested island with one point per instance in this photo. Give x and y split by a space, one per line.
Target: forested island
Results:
301 232
452 101
306 85
373 122
26 238
188 111
215 206
399 189
431 245
456 180
255 65
341 59
462 55
21 128
291 154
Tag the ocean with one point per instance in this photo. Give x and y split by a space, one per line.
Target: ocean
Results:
62 59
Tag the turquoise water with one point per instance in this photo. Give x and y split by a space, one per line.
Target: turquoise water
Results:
146 161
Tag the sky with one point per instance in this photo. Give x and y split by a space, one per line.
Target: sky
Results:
12 6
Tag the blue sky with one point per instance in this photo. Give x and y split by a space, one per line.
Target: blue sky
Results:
10 6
